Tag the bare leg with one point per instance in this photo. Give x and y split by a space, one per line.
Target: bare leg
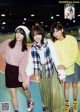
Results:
75 90
27 93
66 90
75 93
14 99
66 95
29 100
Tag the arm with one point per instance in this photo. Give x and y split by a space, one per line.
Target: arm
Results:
3 46
29 67
55 60
73 52
25 67
22 66
78 58
28 71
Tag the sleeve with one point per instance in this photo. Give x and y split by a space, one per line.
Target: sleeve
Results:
55 60
3 46
29 67
73 53
78 58
22 67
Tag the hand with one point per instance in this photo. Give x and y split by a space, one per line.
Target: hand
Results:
62 81
26 82
62 78
37 77
61 67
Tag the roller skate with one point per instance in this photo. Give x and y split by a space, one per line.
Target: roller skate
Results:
66 107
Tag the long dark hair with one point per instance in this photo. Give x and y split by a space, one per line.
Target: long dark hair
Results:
39 30
57 26
13 42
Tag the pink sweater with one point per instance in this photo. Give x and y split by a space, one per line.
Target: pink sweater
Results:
15 57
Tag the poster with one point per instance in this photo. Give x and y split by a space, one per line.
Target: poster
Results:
69 11
5 98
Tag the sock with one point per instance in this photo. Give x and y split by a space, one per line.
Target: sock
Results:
15 110
66 100
28 98
75 99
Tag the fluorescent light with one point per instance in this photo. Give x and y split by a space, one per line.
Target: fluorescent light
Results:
32 15
3 22
3 15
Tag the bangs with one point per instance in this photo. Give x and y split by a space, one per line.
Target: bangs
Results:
59 28
37 32
20 31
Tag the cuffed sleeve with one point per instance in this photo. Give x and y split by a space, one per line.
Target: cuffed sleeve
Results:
22 67
29 68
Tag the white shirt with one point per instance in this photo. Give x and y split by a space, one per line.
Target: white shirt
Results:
41 54
29 68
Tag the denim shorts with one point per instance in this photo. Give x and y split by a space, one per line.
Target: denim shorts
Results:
74 77
77 72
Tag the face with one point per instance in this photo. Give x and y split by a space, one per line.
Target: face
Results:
58 34
19 36
37 37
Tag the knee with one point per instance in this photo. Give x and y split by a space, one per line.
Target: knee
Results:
13 94
67 86
74 85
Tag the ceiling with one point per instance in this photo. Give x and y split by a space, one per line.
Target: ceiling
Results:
17 10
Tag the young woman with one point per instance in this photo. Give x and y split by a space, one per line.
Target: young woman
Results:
67 51
77 67
16 56
43 59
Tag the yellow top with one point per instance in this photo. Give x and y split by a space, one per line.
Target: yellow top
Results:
78 58
67 50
